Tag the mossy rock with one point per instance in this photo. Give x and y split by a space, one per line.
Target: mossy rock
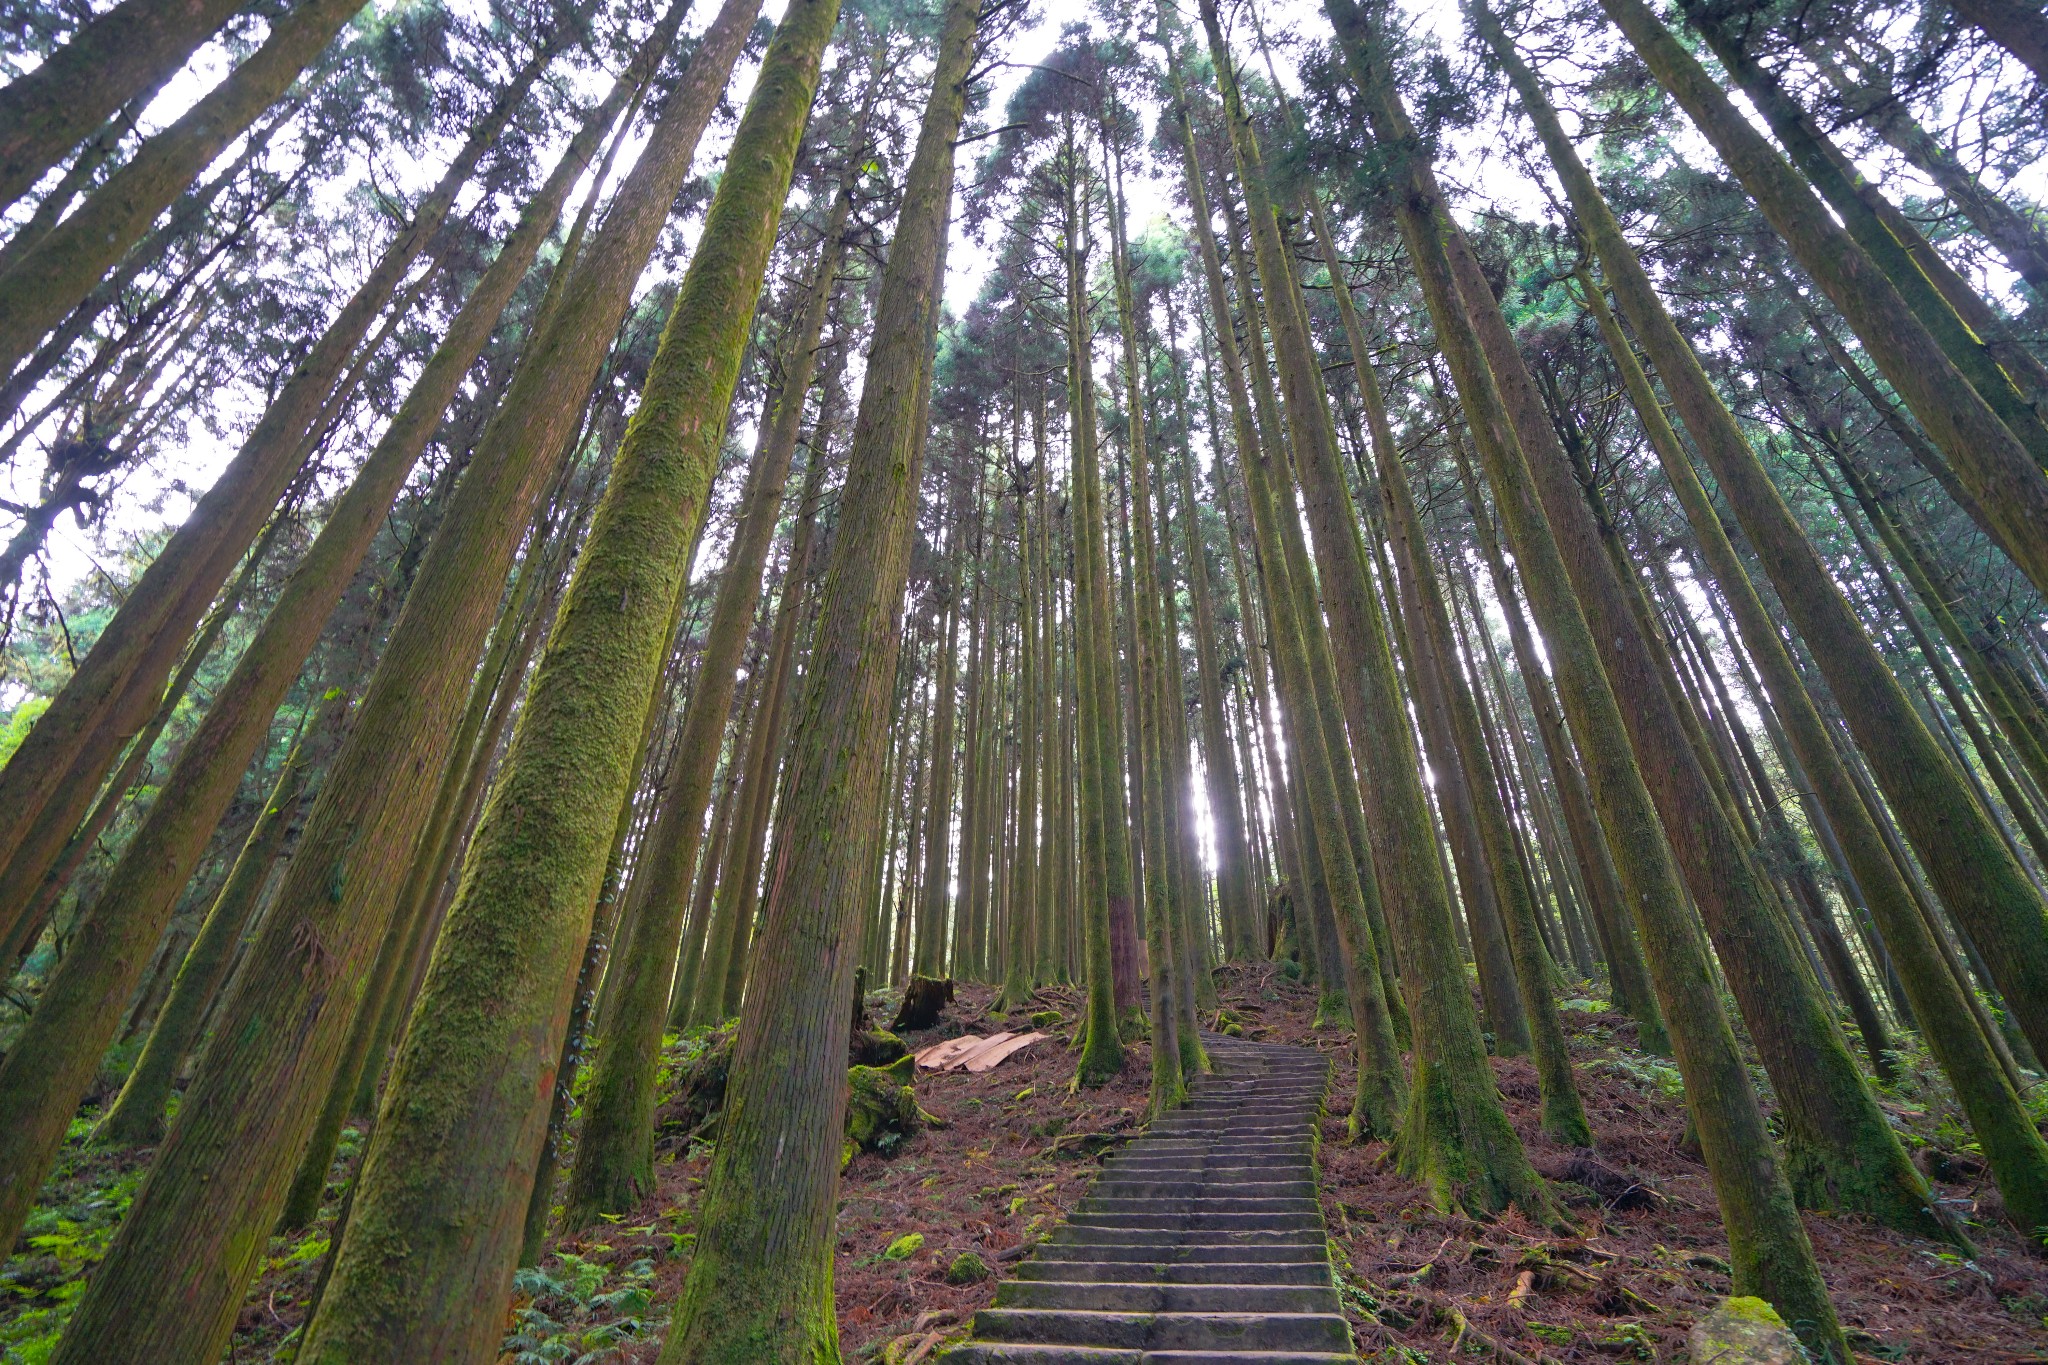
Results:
904 1247
697 1093
881 1108
967 1268
1743 1331
876 1047
1048 1019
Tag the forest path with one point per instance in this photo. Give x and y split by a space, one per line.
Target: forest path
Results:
1201 1242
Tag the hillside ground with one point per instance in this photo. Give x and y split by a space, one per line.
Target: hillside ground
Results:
928 1229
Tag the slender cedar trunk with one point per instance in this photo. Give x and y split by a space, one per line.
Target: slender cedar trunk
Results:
1051 868
614 1167
1283 560
109 61
730 807
51 278
1778 836
45 788
1287 844
2009 378
760 1287
1148 657
409 937
1126 926
1602 848
2014 26
1770 1250
1378 1094
1519 784
1978 879
1196 935
254 1101
137 1115
589 973
740 881
1994 465
2016 237
931 916
967 945
1026 914
1245 437
1434 669
1105 876
1455 1136
1219 761
459 1109
1481 880
79 1007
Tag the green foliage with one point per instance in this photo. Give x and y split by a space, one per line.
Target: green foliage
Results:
62 1241
580 1310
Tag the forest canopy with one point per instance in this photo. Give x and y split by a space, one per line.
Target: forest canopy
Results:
559 558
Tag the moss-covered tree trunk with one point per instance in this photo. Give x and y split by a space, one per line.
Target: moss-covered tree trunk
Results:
50 279
614 1166
232 1149
760 1287
489 1027
50 781
125 52
1434 667
1455 1137
81 1005
1996 467
1105 855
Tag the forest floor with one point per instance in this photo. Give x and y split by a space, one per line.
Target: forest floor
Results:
1018 1150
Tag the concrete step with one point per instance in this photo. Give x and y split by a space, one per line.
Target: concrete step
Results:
1140 1297
1144 1187
1326 1332
1194 1198
1192 1251
1307 1272
1019 1353
1097 1235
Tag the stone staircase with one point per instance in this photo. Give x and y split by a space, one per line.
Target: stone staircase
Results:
1201 1242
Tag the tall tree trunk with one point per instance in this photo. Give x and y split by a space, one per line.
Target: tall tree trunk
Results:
1999 471
51 277
1455 1137
614 1167
232 1148
760 1287
108 62
46 786
460 1111
1105 888
1770 1250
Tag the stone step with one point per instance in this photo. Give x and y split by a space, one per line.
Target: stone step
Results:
1020 1353
1207 1251
1145 1187
1203 1198
1092 1234
1308 1272
1327 1332
1141 1297
1199 1220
